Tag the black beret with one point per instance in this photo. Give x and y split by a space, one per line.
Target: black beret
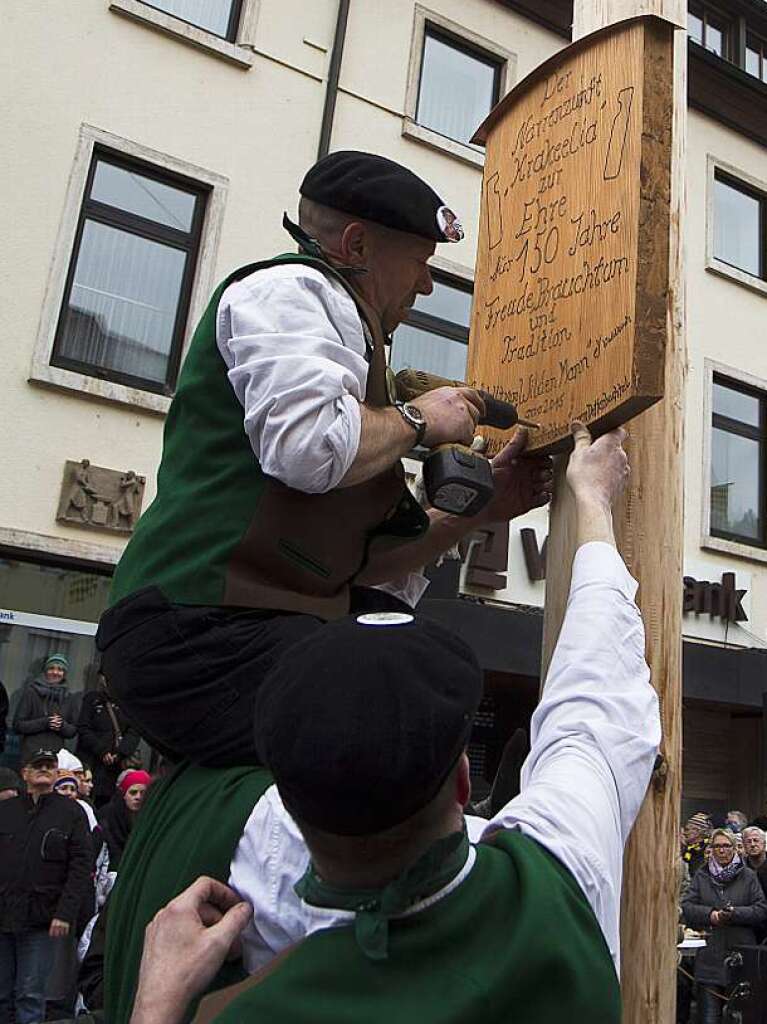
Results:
361 722
377 189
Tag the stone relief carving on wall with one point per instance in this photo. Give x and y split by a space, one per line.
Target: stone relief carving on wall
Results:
99 498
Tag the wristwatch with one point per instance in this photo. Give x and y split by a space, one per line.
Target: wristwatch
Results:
414 418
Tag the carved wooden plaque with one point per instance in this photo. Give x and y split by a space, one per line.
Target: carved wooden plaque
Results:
570 303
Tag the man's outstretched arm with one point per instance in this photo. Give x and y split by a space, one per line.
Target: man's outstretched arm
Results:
596 732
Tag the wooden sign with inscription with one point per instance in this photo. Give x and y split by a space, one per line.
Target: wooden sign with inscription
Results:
570 302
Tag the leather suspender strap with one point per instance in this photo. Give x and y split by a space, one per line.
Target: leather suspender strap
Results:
115 724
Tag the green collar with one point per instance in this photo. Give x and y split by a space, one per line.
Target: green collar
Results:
373 907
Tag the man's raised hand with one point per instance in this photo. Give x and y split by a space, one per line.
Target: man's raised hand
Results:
521 482
597 473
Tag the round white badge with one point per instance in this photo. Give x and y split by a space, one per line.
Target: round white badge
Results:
385 619
449 225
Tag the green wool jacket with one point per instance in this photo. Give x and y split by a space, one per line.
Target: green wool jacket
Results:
515 942
222 532
189 826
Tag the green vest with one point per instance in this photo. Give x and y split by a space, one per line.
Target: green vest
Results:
515 942
222 532
190 826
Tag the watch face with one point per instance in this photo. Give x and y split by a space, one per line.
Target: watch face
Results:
414 413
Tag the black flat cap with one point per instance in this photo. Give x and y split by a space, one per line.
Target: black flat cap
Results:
361 722
43 754
377 189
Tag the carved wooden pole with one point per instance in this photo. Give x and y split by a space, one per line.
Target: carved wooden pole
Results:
649 528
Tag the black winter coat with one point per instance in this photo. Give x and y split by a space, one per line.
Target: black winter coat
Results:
116 823
705 894
97 737
46 860
3 716
39 701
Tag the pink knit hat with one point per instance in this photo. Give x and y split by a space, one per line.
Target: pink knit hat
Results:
137 778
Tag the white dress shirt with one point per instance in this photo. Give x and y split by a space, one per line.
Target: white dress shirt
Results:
594 737
295 346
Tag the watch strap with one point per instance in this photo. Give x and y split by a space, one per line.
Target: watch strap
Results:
418 425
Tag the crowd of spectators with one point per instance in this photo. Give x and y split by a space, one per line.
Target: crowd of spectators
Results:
64 823
723 904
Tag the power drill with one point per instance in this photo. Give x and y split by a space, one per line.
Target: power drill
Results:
456 478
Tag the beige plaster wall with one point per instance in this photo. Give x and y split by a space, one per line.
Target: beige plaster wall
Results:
727 323
67 64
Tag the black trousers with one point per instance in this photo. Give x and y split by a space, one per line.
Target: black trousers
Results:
186 676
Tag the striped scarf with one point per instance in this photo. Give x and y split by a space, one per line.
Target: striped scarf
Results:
726 873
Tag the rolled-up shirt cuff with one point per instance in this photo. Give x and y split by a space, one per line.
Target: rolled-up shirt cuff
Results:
343 437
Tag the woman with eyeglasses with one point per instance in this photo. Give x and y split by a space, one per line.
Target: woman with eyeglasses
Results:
726 900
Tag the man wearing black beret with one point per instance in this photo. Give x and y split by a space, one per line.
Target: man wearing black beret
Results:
357 887
281 500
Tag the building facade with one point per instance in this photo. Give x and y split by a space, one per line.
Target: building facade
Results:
156 144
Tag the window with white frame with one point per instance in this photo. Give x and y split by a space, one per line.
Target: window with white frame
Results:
739 224
128 288
220 17
756 56
435 336
710 28
459 85
738 446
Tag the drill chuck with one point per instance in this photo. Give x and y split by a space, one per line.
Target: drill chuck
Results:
502 415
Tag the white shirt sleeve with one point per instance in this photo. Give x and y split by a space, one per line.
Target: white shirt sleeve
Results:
295 351
594 736
270 858
294 347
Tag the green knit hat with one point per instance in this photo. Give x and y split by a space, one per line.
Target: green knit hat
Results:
57 659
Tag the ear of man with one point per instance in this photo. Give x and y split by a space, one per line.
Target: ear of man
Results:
463 781
355 244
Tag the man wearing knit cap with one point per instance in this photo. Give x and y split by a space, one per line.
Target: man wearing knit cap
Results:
368 896
695 836
281 498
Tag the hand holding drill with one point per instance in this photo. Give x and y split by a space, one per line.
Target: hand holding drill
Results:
456 478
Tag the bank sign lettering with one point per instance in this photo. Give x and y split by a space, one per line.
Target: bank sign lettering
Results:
699 597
